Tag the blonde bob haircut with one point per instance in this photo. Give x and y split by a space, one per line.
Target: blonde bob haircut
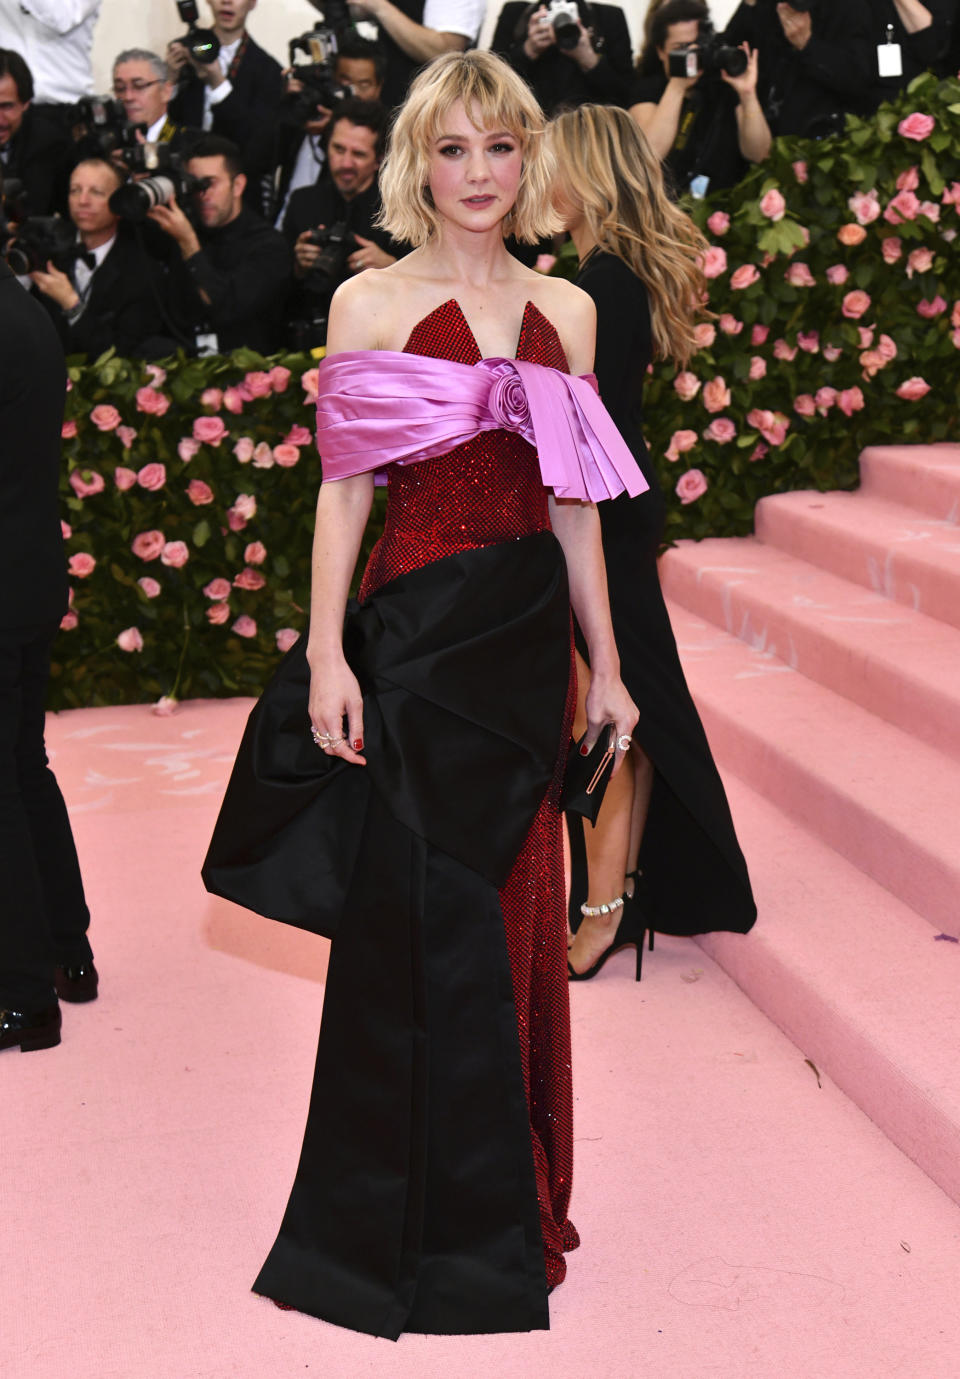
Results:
609 174
492 94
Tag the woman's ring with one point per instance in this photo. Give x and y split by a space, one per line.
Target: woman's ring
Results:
624 742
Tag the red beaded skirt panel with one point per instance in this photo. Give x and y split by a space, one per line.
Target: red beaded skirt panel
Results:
485 491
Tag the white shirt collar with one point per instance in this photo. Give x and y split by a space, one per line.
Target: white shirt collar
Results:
156 129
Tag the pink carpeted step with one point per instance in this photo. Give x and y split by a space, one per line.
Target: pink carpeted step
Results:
883 799
923 477
900 665
885 547
857 980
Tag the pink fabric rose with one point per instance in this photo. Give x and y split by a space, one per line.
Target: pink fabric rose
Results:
716 394
730 325
691 486
124 478
212 398
704 335
152 477
309 383
68 430
218 613
714 261
850 400
804 405
686 385
199 492
891 248
809 341
929 309
913 389
217 589
832 353
718 223
758 368
258 384
837 274
187 447
105 417
800 170
773 205
758 336
904 206
233 400
298 435
825 398
209 430
263 456
148 545
680 443
66 531
68 622
865 207
781 350
244 626
86 482
279 378
244 450
130 639
81 565
175 554
887 347
799 275
721 429
866 336
855 303
286 455
249 579
255 554
149 585
151 401
909 179
745 276
851 234
286 638
919 261
917 126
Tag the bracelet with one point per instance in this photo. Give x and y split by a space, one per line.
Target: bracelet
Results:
609 908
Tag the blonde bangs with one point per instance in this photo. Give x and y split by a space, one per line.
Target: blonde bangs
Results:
491 92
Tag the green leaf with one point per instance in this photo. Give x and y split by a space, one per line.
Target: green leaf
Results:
201 533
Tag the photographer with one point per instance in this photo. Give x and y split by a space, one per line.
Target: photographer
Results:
413 32
568 52
33 148
331 224
705 127
817 58
112 300
142 83
911 38
228 281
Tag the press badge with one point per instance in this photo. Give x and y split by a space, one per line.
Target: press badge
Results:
889 59
207 344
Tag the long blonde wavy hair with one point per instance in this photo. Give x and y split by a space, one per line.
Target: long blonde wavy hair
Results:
608 170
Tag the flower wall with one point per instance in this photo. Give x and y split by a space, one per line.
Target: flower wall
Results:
834 284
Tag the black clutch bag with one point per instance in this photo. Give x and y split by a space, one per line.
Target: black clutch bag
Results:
585 779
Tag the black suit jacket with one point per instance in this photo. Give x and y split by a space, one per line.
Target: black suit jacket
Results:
556 80
32 391
39 155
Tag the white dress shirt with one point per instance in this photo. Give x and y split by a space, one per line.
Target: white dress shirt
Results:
455 17
55 38
82 274
214 95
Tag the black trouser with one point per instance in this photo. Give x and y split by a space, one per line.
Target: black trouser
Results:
43 914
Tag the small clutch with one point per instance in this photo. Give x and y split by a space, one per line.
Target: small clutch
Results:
586 778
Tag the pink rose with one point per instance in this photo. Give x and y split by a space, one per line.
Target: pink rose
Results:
772 205
152 477
175 554
837 274
913 389
931 210
866 336
149 400
919 261
81 565
805 405
124 478
855 304
297 435
951 194
872 361
127 436
781 350
218 613
759 451
212 398
244 450
258 384
809 341
832 353
149 585
909 180
545 262
187 447
917 126
148 544
66 531
130 639
714 262
86 482
758 368
892 248
772 426
209 430
800 170
263 456
887 348
68 430
286 455
286 638
716 394
851 234
718 223
865 207
825 399
309 383
233 400
745 276
955 339
68 622
704 335
279 378
244 626
255 554
199 493
850 400
217 589
721 429
165 706
758 336
105 417
240 514
904 206
730 325
687 385
157 375
929 309
955 314
799 275
249 579
680 442
691 486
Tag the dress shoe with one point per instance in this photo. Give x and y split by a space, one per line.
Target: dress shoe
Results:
76 981
31 1030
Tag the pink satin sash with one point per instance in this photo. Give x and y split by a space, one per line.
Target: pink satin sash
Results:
381 407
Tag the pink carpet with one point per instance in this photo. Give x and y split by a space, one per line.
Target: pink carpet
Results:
738 1220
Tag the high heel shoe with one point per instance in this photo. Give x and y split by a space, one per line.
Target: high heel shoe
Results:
631 929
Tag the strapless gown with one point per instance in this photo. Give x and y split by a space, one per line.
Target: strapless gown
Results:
434 1182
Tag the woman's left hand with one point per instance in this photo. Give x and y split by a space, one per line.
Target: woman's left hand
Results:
608 702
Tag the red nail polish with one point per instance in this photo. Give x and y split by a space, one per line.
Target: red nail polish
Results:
358 744
584 750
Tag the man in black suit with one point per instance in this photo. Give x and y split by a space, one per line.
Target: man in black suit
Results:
44 952
33 147
114 300
564 74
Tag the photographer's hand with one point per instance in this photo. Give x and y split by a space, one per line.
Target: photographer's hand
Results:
174 223
584 54
176 57
369 255
753 132
305 253
540 35
797 26
57 286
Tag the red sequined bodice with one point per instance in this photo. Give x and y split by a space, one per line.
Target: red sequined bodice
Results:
486 490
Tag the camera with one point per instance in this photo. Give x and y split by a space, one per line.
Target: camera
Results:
709 56
320 87
335 243
135 200
39 240
564 18
202 44
104 120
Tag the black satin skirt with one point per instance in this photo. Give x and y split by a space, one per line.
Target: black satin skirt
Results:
415 1205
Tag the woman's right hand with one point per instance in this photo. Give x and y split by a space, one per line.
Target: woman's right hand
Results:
334 697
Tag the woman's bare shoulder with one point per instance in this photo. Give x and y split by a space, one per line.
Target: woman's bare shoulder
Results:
367 312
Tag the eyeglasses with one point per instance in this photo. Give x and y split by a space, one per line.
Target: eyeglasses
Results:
120 88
